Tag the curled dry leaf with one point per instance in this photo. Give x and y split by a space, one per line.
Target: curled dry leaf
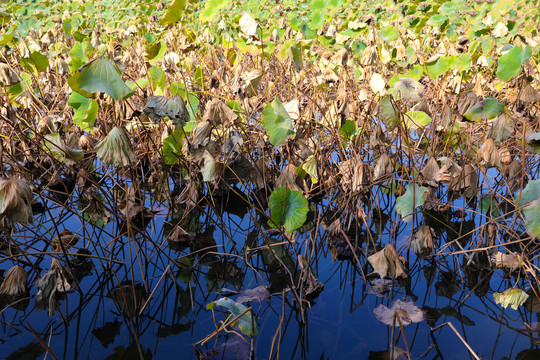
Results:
66 240
510 261
408 89
488 155
218 113
511 297
248 25
250 81
8 76
431 173
15 201
384 167
407 311
287 178
466 101
529 95
501 129
387 262
201 135
157 107
514 175
15 281
115 149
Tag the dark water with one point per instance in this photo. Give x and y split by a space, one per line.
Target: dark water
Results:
93 323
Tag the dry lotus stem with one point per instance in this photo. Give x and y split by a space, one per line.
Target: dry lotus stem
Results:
15 281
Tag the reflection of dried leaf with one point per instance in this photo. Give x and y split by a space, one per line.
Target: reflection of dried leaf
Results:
407 311
380 287
179 235
511 297
312 287
259 293
106 333
422 242
387 262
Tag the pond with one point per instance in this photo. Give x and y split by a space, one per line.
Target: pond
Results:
225 251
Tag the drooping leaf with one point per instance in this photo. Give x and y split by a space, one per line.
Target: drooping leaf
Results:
413 197
36 63
174 13
277 122
288 208
115 148
97 76
85 111
510 64
246 323
511 297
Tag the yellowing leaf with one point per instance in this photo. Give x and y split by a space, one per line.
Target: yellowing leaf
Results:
511 297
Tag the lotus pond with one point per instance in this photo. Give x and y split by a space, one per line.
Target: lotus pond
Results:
319 179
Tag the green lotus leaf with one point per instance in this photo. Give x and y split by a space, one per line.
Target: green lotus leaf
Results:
36 63
174 13
413 197
486 109
417 119
389 33
529 194
277 122
510 63
84 111
172 147
388 114
288 208
98 76
532 216
53 144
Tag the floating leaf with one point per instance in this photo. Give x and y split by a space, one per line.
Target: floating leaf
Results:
277 122
511 297
174 13
85 111
510 64
484 110
407 311
413 197
97 76
287 207
246 323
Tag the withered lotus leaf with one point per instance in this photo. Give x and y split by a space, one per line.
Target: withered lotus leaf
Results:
15 201
15 281
115 149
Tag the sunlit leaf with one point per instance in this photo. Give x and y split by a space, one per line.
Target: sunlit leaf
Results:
389 33
36 63
85 111
288 208
509 64
486 109
97 76
532 216
54 145
413 197
529 194
416 119
174 13
388 114
277 122
511 297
